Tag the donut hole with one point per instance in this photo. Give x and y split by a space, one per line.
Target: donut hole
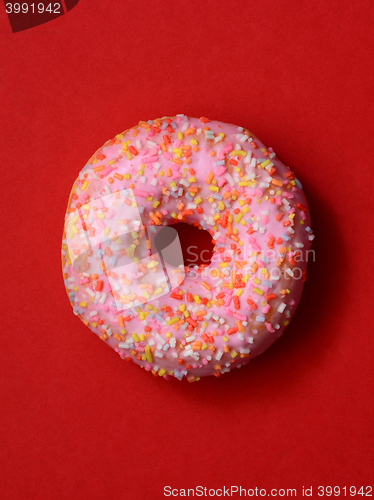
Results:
196 245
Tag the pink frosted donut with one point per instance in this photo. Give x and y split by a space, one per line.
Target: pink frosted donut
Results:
122 262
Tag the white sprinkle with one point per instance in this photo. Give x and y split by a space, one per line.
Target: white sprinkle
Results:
281 307
218 355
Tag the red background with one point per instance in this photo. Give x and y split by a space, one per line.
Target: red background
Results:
77 422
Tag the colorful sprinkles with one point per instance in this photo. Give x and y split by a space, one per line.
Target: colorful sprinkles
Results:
174 320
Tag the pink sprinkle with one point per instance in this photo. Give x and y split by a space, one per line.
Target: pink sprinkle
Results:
220 170
151 159
100 223
228 300
241 316
269 327
107 171
99 203
110 213
266 308
287 194
265 219
178 143
229 312
143 194
222 181
278 200
166 155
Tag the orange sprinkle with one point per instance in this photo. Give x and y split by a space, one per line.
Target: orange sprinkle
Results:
276 182
209 178
206 286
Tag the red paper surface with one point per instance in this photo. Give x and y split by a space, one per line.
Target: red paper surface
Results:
77 422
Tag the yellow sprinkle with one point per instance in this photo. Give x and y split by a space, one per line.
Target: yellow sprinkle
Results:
257 281
246 209
239 292
214 188
225 339
85 184
168 334
172 321
127 176
193 141
259 292
204 346
141 337
223 264
162 372
198 200
148 354
234 354
265 163
239 217
238 152
129 155
82 304
152 264
180 135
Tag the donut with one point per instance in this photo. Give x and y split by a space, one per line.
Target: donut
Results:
123 263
